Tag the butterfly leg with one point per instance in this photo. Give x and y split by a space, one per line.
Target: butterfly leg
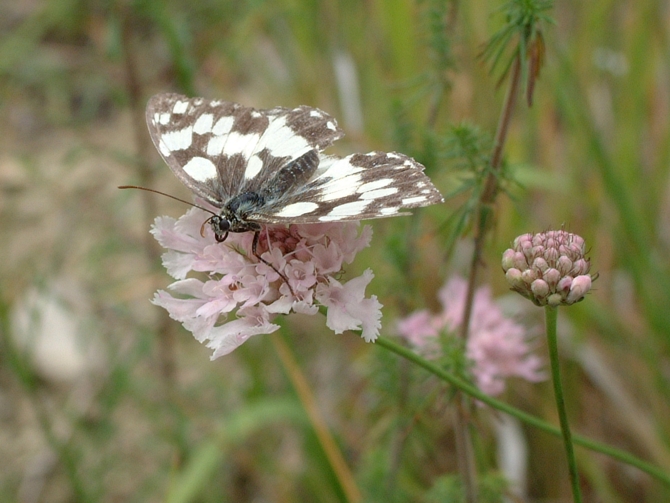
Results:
254 251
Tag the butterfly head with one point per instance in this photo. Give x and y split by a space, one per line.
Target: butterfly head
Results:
220 226
228 221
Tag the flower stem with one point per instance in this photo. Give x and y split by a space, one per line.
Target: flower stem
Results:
489 192
551 315
328 444
529 419
483 219
166 336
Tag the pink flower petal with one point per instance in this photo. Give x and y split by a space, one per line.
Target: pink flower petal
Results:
328 259
227 337
418 326
347 307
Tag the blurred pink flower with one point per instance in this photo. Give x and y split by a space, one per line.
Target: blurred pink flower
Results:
497 346
236 283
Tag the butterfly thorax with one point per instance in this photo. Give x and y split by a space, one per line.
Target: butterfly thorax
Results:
233 216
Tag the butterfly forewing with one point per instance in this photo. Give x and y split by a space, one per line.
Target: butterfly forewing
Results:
222 150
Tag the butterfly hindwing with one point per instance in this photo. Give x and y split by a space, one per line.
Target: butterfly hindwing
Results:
356 187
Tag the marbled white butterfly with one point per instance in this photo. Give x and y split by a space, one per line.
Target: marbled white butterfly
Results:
268 167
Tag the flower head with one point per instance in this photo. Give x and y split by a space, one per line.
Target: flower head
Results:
497 346
549 268
237 285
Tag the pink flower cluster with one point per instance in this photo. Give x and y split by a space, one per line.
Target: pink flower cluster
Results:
497 346
311 257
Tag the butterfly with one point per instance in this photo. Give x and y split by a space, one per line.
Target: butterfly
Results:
268 167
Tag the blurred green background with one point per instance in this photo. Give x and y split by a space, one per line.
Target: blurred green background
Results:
103 398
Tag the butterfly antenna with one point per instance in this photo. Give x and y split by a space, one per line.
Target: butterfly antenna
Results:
254 251
168 195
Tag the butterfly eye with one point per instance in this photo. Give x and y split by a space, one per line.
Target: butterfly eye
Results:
220 226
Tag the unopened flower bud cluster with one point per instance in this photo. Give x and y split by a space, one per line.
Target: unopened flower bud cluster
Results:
549 268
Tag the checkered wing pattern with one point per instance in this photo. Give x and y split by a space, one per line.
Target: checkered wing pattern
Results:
224 151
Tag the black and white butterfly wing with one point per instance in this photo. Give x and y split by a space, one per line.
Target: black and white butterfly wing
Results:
220 149
356 187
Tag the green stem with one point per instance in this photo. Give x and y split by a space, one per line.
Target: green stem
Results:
551 315
333 453
536 422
